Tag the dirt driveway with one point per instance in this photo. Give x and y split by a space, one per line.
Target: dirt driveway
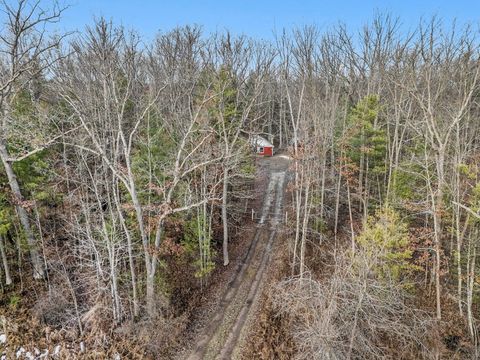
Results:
223 336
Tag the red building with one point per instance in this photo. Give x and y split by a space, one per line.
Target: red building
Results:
261 145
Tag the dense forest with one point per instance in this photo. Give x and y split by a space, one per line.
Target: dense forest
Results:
130 191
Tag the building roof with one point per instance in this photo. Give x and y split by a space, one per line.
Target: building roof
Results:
257 140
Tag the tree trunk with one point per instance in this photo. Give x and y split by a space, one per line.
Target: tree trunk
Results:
226 261
150 260
350 214
306 214
470 285
298 204
8 279
437 221
151 309
37 264
136 308
337 200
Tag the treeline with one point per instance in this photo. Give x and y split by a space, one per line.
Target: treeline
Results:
385 144
118 154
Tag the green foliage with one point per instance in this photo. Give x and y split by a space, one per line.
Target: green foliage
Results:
31 126
197 243
247 166
224 110
7 216
5 220
364 139
22 105
476 193
248 169
14 301
402 185
386 243
469 174
406 181
156 142
319 225
33 173
464 170
474 202
153 152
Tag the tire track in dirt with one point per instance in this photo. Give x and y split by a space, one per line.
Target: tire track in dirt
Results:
230 345
220 338
233 341
232 289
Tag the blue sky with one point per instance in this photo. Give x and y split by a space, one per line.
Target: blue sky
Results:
258 18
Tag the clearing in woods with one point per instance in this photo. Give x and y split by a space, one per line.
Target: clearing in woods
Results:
223 336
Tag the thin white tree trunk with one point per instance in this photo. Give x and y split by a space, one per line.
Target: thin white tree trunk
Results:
351 218
470 286
306 214
6 268
133 276
226 260
37 264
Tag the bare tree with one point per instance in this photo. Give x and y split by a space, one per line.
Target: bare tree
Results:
241 67
437 61
345 317
26 53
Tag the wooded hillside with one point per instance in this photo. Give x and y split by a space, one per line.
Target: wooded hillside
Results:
127 178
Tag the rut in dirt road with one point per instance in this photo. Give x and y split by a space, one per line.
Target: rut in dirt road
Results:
222 336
